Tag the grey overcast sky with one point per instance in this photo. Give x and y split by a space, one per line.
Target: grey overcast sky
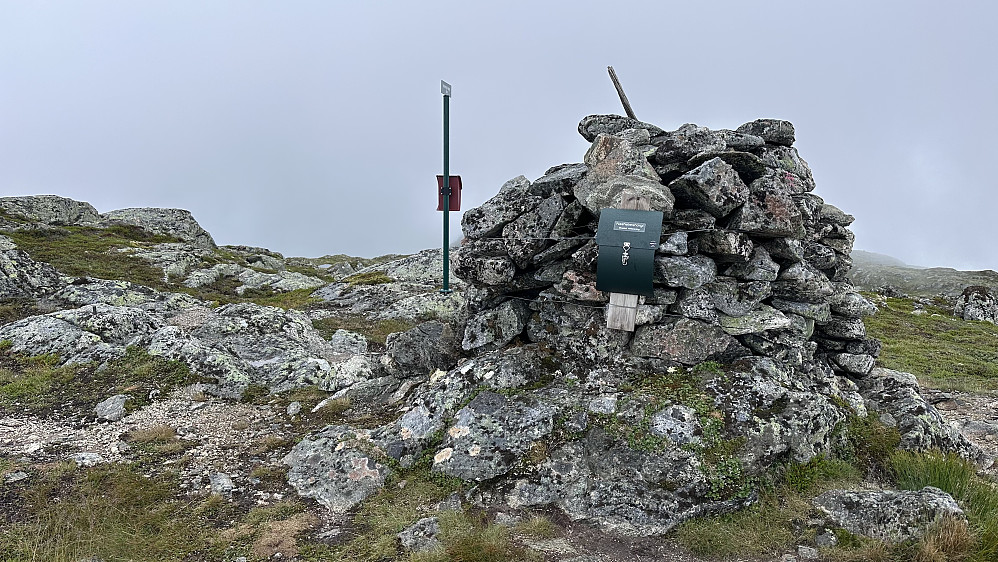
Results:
314 127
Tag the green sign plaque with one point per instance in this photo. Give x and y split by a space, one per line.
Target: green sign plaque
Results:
627 242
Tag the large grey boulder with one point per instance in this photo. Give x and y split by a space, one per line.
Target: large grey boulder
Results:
97 332
496 327
490 435
771 130
616 165
428 347
686 341
895 396
559 179
51 210
977 303
21 276
334 468
178 223
593 125
887 515
713 186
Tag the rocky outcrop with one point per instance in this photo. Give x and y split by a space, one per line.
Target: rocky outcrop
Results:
23 277
178 223
977 303
896 399
48 210
892 516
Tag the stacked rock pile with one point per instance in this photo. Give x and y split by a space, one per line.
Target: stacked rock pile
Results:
751 261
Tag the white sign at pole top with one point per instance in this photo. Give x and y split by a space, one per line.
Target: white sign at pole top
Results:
444 88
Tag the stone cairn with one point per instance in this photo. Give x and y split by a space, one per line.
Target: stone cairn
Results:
751 262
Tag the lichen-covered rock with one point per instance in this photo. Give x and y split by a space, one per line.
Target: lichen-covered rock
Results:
593 125
528 234
608 193
428 347
921 426
769 214
178 223
756 321
726 246
559 179
888 515
421 536
96 332
713 186
490 217
336 467
759 267
803 283
771 130
51 210
681 271
851 304
686 341
282 281
496 327
21 276
977 303
490 435
616 165
485 262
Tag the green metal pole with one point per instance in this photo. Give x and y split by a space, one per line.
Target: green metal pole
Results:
446 288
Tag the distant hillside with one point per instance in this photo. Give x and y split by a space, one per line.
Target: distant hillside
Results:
871 271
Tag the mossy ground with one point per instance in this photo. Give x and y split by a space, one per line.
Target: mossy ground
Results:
90 252
38 385
376 331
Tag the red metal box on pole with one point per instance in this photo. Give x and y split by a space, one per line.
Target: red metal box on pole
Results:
455 193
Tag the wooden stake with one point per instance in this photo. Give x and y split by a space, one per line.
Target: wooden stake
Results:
620 93
623 308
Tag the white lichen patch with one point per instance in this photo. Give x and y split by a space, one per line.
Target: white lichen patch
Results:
458 431
443 456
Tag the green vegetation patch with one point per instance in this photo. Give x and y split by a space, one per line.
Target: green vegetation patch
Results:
109 512
14 309
86 251
40 385
943 351
376 331
772 525
978 497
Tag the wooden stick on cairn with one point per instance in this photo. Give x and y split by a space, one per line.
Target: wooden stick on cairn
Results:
620 93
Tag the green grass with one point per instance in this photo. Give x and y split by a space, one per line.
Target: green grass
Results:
771 526
943 351
39 385
958 477
376 331
14 309
111 512
86 251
